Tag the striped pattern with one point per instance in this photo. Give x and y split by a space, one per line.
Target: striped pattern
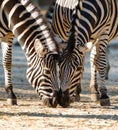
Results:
36 41
93 21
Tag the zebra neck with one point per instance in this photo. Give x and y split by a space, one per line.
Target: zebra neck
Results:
25 27
20 21
33 9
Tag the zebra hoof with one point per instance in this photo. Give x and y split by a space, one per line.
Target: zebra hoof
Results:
95 97
50 102
11 101
105 102
106 77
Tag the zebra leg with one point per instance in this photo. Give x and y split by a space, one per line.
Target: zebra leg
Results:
7 62
77 93
101 67
93 82
108 65
78 89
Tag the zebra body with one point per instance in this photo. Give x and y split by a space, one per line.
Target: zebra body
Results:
62 44
93 21
39 47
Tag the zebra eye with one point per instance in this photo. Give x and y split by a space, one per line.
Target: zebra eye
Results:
47 71
79 68
75 60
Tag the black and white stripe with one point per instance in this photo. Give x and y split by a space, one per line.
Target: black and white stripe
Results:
93 22
39 47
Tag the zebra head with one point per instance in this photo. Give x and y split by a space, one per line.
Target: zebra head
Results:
42 74
71 68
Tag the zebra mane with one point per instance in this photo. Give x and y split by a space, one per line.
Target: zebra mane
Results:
71 41
72 38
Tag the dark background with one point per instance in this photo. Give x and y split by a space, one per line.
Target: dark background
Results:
43 2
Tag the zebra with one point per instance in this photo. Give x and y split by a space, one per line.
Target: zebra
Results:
39 46
93 22
62 45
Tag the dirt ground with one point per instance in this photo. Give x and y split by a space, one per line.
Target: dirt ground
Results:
30 114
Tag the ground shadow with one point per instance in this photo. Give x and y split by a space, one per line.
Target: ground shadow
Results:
89 116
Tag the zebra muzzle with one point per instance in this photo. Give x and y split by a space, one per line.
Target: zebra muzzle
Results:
51 101
63 98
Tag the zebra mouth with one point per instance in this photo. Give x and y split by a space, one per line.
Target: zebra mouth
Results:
63 98
51 101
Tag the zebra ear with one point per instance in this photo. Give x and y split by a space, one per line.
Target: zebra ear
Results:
40 50
88 46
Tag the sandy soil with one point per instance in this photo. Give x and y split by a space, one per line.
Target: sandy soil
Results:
30 114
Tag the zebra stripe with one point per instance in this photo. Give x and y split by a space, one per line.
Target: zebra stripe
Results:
90 20
39 47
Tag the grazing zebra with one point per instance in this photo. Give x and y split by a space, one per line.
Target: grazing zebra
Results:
62 44
39 47
93 22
